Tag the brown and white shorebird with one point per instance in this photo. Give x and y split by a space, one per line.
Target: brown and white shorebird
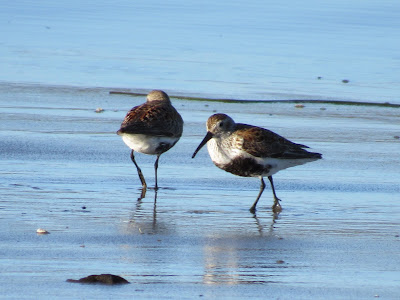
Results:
152 128
252 151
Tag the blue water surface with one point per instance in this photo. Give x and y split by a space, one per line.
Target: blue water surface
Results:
341 50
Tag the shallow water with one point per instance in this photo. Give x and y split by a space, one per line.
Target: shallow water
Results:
230 49
64 169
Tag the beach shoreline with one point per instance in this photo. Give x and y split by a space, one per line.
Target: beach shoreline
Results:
65 170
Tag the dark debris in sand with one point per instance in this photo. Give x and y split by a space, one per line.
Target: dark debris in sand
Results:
108 279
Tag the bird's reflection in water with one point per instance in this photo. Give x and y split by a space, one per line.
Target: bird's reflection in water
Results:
220 265
227 251
144 221
261 228
243 258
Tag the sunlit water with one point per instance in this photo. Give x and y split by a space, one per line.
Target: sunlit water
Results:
343 50
64 169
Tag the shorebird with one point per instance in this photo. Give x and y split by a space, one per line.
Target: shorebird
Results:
252 151
152 128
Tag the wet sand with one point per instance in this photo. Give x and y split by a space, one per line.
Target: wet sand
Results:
64 169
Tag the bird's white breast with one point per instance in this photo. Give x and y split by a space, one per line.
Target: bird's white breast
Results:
146 144
219 154
225 154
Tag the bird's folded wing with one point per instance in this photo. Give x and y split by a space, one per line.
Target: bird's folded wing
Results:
154 120
261 142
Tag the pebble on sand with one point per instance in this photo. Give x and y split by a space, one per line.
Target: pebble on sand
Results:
42 231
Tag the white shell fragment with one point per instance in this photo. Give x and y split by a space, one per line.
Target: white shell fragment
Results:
42 231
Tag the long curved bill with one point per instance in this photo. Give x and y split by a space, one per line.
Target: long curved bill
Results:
208 137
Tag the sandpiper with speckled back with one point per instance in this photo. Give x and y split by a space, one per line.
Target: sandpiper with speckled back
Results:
252 151
152 128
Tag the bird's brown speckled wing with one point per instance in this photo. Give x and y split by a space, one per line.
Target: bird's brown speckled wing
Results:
158 119
262 142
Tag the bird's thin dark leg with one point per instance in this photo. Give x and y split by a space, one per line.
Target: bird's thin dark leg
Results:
262 187
155 169
141 177
276 208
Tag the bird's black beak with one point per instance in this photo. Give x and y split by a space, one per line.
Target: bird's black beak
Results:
208 137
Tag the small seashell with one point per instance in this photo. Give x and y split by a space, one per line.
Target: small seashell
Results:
42 231
99 110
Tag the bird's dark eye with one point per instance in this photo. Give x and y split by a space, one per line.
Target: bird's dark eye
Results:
221 124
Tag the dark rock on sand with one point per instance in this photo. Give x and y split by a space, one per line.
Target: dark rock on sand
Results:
109 279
